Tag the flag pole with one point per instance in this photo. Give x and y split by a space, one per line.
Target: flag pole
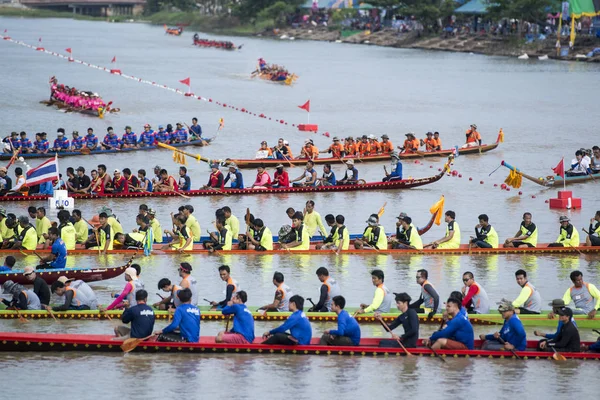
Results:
57 169
308 113
564 175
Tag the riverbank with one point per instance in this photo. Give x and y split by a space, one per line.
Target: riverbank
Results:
23 12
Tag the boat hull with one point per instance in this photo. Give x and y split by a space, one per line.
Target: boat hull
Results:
254 163
51 275
43 342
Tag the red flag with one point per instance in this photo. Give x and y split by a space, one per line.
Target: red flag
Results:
305 106
185 81
68 50
114 60
560 169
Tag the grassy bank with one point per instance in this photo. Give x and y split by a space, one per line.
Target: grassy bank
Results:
39 13
224 25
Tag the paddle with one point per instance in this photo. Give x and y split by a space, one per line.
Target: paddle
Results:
21 317
95 234
52 314
131 343
579 251
387 328
227 323
502 342
435 353
182 195
247 228
557 356
204 142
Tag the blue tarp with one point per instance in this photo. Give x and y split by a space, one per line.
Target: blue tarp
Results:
472 7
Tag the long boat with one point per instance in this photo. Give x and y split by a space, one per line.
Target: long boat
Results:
157 249
369 186
50 275
48 342
271 162
215 44
99 112
494 318
554 181
61 154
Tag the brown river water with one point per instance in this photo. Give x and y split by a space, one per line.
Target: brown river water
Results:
546 109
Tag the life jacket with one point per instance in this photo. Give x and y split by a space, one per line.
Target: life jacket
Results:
24 189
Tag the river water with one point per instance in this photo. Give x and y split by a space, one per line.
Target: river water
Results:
546 109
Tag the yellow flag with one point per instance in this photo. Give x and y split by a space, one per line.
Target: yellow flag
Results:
438 210
381 210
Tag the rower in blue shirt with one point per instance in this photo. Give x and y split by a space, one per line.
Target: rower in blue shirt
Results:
235 176
348 331
129 138
77 142
61 143
9 263
162 136
186 319
242 331
458 333
111 140
91 141
396 173
195 129
512 336
25 143
58 257
15 142
297 323
147 136
141 316
41 145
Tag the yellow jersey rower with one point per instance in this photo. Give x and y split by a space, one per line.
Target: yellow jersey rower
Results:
373 237
452 238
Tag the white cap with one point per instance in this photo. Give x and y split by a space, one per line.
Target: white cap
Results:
132 272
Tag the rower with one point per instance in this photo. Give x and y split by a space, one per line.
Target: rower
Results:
235 177
331 241
351 176
127 296
129 240
232 222
171 301
350 148
526 236
129 138
386 146
309 176
593 237
329 289
382 300
66 230
78 295
429 300
302 238
185 182
282 295
452 238
282 151
180 135
26 237
42 223
188 281
9 263
186 240
407 235
567 339
585 296
155 226
336 149
111 140
556 305
263 238
485 235
312 220
374 144
27 146
263 180
347 332
297 323
22 299
162 136
242 331
373 237
186 319
40 287
60 143
281 179
58 257
580 165
396 169
511 336
458 333
91 140
264 151
309 150
138 272
430 143
411 144
167 183
85 183
409 320
473 137
141 316
231 288
363 147
475 299
147 137
529 300
221 239
191 223
568 235
328 177
594 162
102 239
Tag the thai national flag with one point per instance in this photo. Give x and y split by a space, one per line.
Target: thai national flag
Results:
47 171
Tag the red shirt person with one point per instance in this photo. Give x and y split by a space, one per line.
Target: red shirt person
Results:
280 177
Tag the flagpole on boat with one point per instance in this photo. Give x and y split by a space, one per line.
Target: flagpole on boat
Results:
308 118
564 175
57 169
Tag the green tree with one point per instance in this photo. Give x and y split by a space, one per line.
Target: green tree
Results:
278 12
247 10
523 10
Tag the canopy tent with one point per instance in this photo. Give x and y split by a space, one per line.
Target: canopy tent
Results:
584 8
337 4
472 7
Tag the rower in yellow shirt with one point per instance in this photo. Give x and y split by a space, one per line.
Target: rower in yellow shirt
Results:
301 240
27 237
452 238
81 227
5 232
42 224
312 220
155 226
373 237
66 229
231 222
568 235
192 224
339 238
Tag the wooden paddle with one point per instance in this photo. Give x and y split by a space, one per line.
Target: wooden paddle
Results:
131 343
52 314
435 353
502 342
21 317
557 356
579 251
182 195
387 328
247 228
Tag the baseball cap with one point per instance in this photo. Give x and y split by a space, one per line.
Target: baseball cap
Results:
557 303
28 271
131 272
565 312
279 166
151 212
117 171
505 306
350 162
564 218
372 221
64 279
402 216
161 127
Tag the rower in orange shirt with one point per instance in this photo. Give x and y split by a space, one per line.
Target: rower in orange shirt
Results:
386 146
336 149
375 145
364 147
429 142
350 147
438 141
309 150
473 137
411 144
264 151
